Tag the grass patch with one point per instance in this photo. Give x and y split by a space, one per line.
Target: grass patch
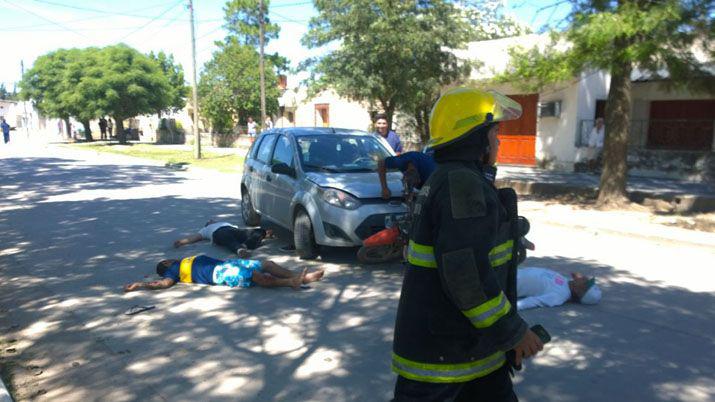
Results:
229 163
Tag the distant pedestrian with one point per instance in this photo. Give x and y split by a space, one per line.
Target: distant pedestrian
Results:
103 128
5 130
268 123
109 128
383 128
251 127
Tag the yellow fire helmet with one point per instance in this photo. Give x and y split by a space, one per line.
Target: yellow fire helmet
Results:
462 109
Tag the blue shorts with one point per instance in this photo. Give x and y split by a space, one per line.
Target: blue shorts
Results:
236 273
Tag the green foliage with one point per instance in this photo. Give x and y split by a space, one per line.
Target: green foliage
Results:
229 87
175 74
132 83
489 21
242 21
391 53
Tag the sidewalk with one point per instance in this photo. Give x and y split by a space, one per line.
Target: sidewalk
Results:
686 196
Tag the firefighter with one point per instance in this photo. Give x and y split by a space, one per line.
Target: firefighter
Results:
455 323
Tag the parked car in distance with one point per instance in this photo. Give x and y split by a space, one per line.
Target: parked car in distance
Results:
319 183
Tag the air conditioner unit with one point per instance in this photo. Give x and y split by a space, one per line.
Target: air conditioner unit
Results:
550 109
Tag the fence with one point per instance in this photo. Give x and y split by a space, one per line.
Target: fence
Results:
670 134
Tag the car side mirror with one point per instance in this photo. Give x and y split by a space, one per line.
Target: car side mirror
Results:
282 168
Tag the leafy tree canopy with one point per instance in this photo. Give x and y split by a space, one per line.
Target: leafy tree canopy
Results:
243 23
395 54
174 72
229 86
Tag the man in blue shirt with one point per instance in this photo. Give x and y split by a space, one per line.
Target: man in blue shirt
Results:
233 273
421 163
5 130
382 128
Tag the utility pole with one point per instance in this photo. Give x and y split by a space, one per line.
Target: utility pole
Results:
195 126
261 66
24 105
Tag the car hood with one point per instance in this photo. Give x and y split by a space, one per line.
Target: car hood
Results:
361 185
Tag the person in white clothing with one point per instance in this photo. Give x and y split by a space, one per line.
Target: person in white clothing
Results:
268 123
595 139
228 236
251 126
541 287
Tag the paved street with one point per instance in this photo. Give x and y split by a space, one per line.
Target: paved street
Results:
77 225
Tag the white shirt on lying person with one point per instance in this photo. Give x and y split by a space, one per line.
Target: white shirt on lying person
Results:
541 287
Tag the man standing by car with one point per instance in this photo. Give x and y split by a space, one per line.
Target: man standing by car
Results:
454 321
383 128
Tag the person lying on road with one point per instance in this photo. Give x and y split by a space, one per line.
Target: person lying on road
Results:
233 273
541 287
236 240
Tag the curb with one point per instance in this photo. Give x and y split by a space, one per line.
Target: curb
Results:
680 202
4 394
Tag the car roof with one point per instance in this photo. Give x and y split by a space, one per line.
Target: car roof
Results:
312 131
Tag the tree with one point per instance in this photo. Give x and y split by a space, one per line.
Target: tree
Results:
57 85
131 84
229 86
242 22
395 54
175 74
654 36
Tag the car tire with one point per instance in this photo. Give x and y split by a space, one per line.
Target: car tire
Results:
303 236
250 216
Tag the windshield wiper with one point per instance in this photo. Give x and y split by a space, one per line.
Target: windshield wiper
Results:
323 168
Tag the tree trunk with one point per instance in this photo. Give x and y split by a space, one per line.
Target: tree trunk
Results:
119 127
87 131
614 176
422 120
68 127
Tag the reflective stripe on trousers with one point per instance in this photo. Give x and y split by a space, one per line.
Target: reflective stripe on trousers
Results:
447 373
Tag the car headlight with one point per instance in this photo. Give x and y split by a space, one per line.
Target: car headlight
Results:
340 199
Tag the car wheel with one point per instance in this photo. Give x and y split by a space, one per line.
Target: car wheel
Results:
303 237
250 216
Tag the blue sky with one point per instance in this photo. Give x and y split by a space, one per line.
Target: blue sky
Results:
31 28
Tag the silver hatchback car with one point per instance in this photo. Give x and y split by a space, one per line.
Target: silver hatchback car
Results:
319 183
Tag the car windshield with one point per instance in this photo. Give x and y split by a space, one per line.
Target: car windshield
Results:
341 153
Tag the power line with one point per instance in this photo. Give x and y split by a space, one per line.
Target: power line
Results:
150 21
21 27
126 14
46 19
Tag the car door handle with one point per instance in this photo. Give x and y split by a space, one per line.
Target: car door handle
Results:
268 178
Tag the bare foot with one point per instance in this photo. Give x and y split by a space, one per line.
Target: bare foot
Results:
296 281
314 276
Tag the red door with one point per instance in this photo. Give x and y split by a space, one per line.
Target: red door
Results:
517 138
